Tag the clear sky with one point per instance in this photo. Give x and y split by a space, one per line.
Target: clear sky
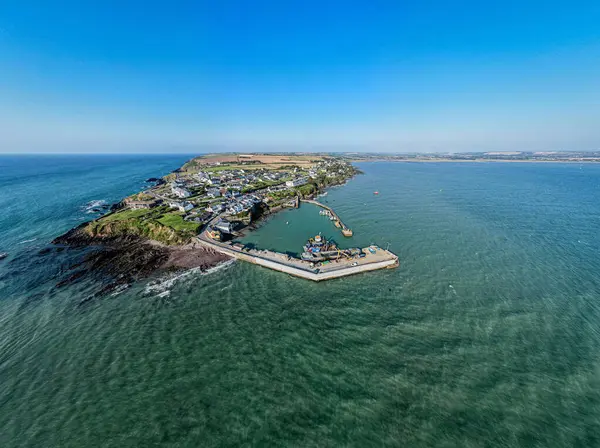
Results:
418 75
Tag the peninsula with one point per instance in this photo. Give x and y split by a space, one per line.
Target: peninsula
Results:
190 217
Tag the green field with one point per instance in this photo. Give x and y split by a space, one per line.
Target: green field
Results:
128 214
176 222
214 169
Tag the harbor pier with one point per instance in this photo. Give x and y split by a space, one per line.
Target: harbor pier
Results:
346 231
321 259
373 258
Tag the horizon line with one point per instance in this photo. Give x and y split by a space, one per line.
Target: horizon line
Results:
388 153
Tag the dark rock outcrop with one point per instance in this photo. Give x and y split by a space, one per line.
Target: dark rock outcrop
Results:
118 261
156 180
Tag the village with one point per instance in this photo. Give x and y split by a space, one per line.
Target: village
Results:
210 200
205 206
230 193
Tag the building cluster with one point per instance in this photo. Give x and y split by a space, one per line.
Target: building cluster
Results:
238 179
203 195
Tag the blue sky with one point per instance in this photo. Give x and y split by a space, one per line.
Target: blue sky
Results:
91 76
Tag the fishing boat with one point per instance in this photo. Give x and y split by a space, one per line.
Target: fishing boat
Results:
318 248
318 243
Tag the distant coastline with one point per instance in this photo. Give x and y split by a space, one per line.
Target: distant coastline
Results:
478 157
471 161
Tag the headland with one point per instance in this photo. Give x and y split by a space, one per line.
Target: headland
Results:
189 217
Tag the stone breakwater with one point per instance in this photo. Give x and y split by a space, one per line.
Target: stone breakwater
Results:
381 259
346 231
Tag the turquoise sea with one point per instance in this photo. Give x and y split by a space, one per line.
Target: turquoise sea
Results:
487 335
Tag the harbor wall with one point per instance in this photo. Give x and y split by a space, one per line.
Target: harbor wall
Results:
339 223
297 272
341 272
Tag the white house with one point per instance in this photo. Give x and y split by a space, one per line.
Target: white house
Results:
224 226
215 208
180 192
296 182
184 206
213 192
202 177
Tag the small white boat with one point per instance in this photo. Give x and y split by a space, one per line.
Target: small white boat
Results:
3 255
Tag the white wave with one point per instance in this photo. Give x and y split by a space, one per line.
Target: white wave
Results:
27 241
96 203
119 290
160 287
219 267
90 206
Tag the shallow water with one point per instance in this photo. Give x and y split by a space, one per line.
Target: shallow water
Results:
487 335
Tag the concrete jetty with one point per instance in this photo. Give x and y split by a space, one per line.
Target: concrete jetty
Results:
374 258
346 231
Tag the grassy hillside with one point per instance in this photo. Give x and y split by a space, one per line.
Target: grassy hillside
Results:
159 224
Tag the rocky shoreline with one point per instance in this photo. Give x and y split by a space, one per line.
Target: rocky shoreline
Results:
122 260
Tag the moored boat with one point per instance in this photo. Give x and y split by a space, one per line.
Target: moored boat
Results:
319 244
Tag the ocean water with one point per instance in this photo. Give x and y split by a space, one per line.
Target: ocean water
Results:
487 335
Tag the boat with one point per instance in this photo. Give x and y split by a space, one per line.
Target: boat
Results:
320 250
375 192
3 255
317 245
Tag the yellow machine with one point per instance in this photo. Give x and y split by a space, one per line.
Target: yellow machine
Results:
214 234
